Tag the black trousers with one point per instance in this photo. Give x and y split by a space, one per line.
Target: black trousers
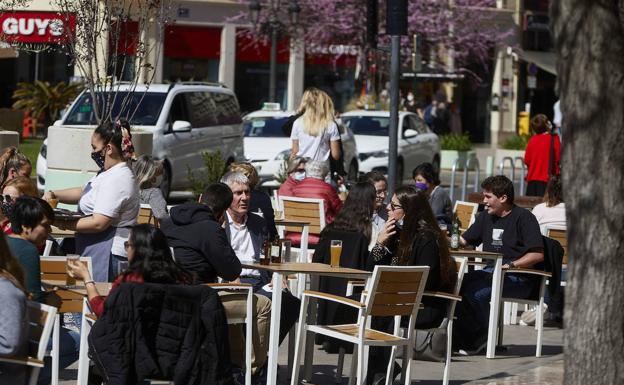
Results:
536 188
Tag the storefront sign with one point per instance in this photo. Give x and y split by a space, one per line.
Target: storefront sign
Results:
36 27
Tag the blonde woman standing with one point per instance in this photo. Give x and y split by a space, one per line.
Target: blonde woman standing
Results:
315 134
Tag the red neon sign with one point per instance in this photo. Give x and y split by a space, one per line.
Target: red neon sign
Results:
36 27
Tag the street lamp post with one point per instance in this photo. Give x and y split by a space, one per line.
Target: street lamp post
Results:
275 26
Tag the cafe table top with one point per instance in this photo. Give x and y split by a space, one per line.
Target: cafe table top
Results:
312 268
475 254
103 288
58 233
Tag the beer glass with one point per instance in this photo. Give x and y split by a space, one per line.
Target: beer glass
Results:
336 250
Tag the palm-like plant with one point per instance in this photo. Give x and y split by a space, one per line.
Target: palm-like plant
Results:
43 100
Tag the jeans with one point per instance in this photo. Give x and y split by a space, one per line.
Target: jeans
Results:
473 312
290 304
113 267
69 347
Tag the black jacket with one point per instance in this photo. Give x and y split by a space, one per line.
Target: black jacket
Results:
154 331
553 257
200 243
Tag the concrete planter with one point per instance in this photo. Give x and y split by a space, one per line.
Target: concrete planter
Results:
8 139
450 156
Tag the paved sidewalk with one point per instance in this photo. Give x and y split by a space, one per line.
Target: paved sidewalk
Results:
515 366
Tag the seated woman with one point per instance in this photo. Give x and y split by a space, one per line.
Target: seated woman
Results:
296 173
412 237
439 199
148 173
13 318
30 222
552 210
149 259
314 186
13 163
19 186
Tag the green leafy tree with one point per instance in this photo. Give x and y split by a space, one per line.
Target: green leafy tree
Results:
45 101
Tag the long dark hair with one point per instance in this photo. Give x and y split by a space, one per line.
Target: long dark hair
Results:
9 264
419 218
357 212
152 257
554 193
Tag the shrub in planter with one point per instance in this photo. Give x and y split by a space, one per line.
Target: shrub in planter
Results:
456 142
516 142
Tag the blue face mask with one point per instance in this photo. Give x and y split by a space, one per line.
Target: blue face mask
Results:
399 223
299 176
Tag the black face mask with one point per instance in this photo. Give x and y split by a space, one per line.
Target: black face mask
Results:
98 158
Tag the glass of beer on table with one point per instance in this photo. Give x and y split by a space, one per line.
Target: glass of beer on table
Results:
336 250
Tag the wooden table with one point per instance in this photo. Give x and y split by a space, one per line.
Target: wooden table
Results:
58 233
495 295
280 270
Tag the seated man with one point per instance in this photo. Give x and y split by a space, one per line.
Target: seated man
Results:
201 247
502 228
314 186
246 232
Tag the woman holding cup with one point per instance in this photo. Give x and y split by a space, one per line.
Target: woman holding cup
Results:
109 201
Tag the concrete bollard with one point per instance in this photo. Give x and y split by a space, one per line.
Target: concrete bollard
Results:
8 139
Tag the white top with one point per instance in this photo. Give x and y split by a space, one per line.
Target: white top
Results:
240 240
550 215
114 193
314 147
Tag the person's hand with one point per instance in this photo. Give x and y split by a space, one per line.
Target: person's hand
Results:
237 280
48 195
387 232
78 270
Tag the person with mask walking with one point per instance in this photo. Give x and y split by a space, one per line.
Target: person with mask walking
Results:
109 201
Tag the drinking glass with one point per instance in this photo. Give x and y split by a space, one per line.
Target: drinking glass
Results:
336 250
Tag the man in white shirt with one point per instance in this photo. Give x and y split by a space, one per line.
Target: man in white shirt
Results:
246 232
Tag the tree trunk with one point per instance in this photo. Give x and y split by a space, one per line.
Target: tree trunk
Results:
589 42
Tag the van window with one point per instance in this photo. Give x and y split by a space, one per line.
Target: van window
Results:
141 108
202 109
228 111
178 109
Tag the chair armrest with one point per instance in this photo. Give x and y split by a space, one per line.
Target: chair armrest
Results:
356 283
520 270
475 263
91 317
230 286
334 298
443 295
29 361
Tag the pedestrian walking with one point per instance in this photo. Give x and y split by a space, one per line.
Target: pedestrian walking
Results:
542 155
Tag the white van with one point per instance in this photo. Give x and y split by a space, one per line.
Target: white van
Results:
186 120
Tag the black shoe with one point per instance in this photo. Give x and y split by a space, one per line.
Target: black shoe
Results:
477 346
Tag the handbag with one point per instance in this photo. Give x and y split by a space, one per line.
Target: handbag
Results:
430 345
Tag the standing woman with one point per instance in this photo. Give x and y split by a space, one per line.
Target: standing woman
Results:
110 200
543 151
315 135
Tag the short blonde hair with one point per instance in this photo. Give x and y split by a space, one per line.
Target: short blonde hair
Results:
145 169
248 170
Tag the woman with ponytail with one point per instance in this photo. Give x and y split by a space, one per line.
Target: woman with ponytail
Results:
110 201
13 163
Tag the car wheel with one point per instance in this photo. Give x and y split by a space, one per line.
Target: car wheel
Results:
165 185
352 175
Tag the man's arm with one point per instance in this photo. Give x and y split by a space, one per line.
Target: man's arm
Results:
221 255
529 259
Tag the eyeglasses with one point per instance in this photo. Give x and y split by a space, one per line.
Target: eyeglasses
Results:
128 245
394 207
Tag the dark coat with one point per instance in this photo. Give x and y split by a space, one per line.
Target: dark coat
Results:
553 257
200 243
159 331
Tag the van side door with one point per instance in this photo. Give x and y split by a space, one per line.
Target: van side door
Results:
205 134
229 119
175 145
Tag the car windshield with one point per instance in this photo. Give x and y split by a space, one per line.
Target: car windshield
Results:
367 125
143 108
265 127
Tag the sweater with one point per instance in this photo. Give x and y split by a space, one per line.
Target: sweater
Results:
28 256
153 196
318 189
537 156
13 331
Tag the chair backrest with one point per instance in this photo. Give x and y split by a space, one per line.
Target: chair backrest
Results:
396 290
54 269
309 210
40 322
559 233
466 212
146 216
462 264
48 248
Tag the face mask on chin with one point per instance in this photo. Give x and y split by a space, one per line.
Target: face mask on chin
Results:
98 158
299 176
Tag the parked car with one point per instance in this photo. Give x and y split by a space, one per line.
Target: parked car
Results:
416 142
267 145
186 119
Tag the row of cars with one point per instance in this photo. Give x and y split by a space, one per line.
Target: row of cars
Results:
189 119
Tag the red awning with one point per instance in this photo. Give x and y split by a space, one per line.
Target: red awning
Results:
182 41
127 38
248 50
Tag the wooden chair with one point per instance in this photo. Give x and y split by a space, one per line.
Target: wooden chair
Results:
147 216
393 291
303 210
461 264
40 323
248 320
539 302
559 233
54 268
466 212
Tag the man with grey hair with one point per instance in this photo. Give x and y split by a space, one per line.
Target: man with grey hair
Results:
246 232
296 173
314 186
